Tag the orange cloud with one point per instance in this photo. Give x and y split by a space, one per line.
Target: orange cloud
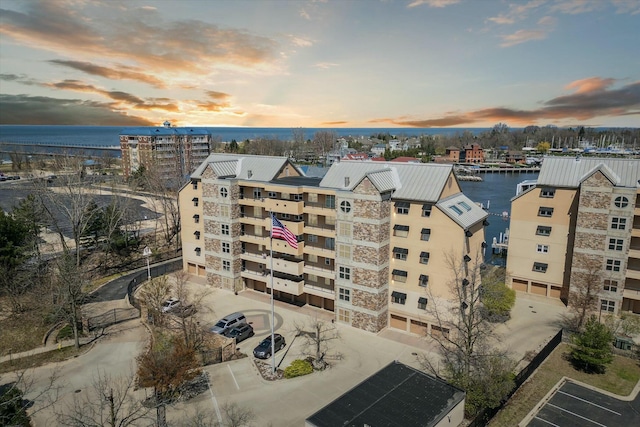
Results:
121 72
581 105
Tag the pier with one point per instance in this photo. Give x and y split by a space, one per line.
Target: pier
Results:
34 149
506 170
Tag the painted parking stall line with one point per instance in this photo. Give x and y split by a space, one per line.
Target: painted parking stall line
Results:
589 402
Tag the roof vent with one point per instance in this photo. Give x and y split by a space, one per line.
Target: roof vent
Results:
249 173
346 181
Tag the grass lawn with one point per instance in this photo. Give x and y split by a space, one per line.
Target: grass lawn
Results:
21 333
620 378
42 359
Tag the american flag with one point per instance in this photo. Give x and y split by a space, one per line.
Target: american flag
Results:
279 231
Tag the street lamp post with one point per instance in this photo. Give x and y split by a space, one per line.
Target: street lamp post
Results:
147 253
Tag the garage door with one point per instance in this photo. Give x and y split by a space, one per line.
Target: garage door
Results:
418 327
191 268
202 271
398 322
555 292
519 285
538 289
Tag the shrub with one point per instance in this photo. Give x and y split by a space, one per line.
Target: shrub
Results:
298 368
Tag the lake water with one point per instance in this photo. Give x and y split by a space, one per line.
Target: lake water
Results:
496 190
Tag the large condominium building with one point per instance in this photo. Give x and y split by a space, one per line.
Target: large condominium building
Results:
373 236
172 152
580 222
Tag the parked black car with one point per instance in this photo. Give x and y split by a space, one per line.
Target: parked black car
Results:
240 333
263 350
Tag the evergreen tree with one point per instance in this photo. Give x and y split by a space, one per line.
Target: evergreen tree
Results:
592 350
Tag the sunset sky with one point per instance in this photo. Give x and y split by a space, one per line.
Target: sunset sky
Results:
321 63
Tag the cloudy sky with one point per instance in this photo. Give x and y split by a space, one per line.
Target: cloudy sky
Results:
321 63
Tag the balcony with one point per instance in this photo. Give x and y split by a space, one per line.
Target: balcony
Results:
261 276
633 294
320 251
634 253
317 289
250 201
319 271
295 287
254 220
283 246
252 238
319 209
291 207
287 266
326 231
254 256
633 274
635 232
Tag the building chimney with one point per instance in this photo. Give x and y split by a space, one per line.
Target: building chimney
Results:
346 181
249 173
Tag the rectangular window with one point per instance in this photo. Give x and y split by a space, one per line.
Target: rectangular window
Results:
195 201
424 257
297 197
272 195
345 273
344 294
312 198
606 305
196 218
312 238
312 219
198 251
540 267
330 220
610 286
542 249
327 261
401 230
329 243
398 297
225 229
224 211
618 223
197 234
426 210
344 251
226 247
344 229
400 253
298 218
425 234
402 208
285 216
399 276
423 281
543 230
344 316
465 206
312 278
613 265
226 265
312 258
257 193
544 211
194 184
284 196
456 209
330 202
422 303
547 193
616 244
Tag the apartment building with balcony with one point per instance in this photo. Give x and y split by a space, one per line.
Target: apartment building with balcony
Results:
373 236
171 151
580 221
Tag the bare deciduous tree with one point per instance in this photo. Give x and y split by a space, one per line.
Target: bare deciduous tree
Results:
586 284
466 342
21 397
324 141
153 294
69 285
318 336
109 402
191 304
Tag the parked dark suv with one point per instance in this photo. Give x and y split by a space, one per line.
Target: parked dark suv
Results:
240 333
263 350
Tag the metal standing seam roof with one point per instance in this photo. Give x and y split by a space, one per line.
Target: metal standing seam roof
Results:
412 181
470 212
263 168
160 130
571 171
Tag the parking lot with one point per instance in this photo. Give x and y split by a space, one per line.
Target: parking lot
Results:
574 405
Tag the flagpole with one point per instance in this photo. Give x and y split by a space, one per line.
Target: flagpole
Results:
273 342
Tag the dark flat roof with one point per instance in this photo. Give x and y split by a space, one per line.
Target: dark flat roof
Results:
298 180
395 396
